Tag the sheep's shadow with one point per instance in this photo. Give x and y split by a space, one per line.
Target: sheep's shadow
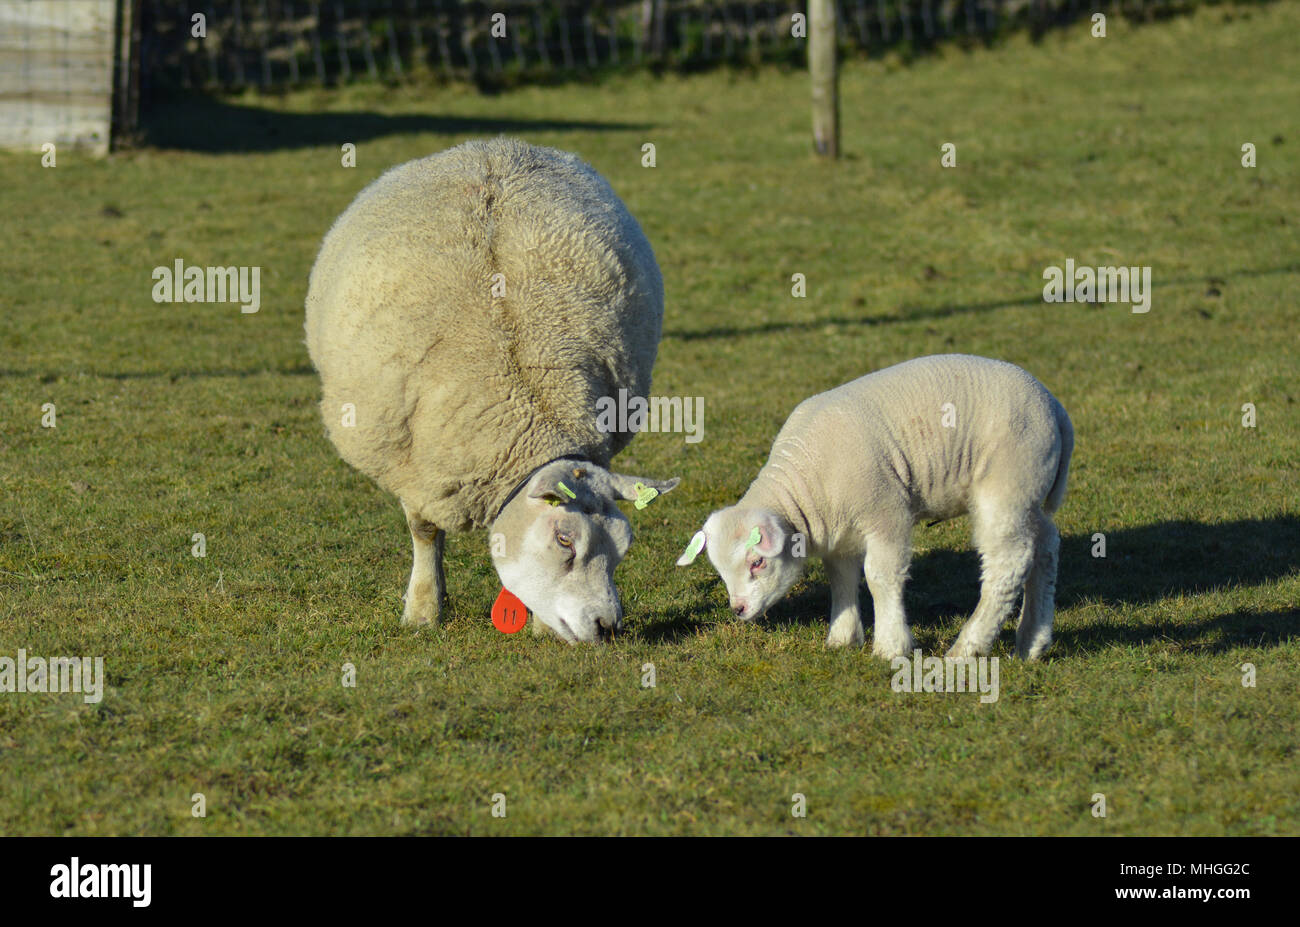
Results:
212 126
1141 565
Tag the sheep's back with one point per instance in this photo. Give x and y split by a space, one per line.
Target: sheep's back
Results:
459 392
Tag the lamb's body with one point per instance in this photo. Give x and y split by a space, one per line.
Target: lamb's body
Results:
856 467
459 393
465 313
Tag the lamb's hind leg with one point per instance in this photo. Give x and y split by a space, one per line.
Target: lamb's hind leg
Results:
1034 632
1005 539
427 590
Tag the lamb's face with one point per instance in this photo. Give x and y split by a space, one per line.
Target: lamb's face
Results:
556 545
748 549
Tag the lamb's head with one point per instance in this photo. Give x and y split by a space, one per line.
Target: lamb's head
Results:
750 549
556 543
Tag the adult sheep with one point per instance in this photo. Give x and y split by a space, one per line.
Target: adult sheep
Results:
466 313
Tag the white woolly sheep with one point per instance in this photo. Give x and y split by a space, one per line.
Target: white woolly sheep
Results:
856 467
465 313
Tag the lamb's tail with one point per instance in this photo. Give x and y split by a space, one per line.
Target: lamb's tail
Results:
1066 431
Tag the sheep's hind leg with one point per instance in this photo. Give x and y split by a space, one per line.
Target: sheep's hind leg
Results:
427 591
1006 545
1034 631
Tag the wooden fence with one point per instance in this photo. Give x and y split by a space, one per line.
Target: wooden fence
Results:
285 43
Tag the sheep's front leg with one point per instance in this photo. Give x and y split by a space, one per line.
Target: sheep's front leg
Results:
886 567
427 590
846 620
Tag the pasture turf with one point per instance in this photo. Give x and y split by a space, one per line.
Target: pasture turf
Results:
224 672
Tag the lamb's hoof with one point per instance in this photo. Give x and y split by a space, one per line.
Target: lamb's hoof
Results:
963 649
1033 652
853 638
892 650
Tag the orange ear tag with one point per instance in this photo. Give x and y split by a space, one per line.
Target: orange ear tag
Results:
509 614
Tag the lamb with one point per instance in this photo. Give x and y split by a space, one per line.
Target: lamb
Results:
465 314
856 467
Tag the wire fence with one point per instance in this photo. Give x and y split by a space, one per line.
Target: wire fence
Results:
287 43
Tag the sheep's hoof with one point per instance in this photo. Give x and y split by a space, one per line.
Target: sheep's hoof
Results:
421 612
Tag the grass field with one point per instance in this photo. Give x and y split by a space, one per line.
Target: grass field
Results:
224 673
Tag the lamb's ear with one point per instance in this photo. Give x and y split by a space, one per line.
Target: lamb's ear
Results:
640 489
693 549
767 536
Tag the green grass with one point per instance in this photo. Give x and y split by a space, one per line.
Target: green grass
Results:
224 672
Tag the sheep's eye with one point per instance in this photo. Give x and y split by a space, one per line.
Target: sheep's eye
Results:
564 540
757 565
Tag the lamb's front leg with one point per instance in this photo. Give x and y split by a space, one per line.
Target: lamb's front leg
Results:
888 558
846 619
427 590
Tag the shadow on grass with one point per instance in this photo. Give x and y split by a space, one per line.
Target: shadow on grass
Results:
175 376
926 313
1142 566
213 126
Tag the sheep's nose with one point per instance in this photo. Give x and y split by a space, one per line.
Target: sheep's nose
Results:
611 622
739 610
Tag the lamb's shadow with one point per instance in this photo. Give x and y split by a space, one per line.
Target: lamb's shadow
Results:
922 313
1141 565
209 125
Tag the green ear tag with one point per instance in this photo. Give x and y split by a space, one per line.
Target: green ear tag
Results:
567 491
645 495
755 538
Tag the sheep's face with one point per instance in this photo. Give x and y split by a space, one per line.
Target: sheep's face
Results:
749 549
556 544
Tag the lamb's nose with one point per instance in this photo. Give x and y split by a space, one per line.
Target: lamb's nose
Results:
739 610
611 622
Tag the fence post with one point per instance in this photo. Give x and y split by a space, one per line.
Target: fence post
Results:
824 69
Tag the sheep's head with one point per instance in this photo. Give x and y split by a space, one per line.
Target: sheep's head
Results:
749 550
556 543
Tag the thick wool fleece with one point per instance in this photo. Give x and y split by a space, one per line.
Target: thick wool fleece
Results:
459 393
872 456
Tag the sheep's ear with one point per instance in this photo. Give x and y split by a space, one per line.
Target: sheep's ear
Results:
554 489
767 537
693 549
640 489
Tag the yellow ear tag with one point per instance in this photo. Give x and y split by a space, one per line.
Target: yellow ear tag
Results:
755 538
693 549
644 495
567 491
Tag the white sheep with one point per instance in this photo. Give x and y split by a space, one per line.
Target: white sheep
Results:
856 467
466 313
